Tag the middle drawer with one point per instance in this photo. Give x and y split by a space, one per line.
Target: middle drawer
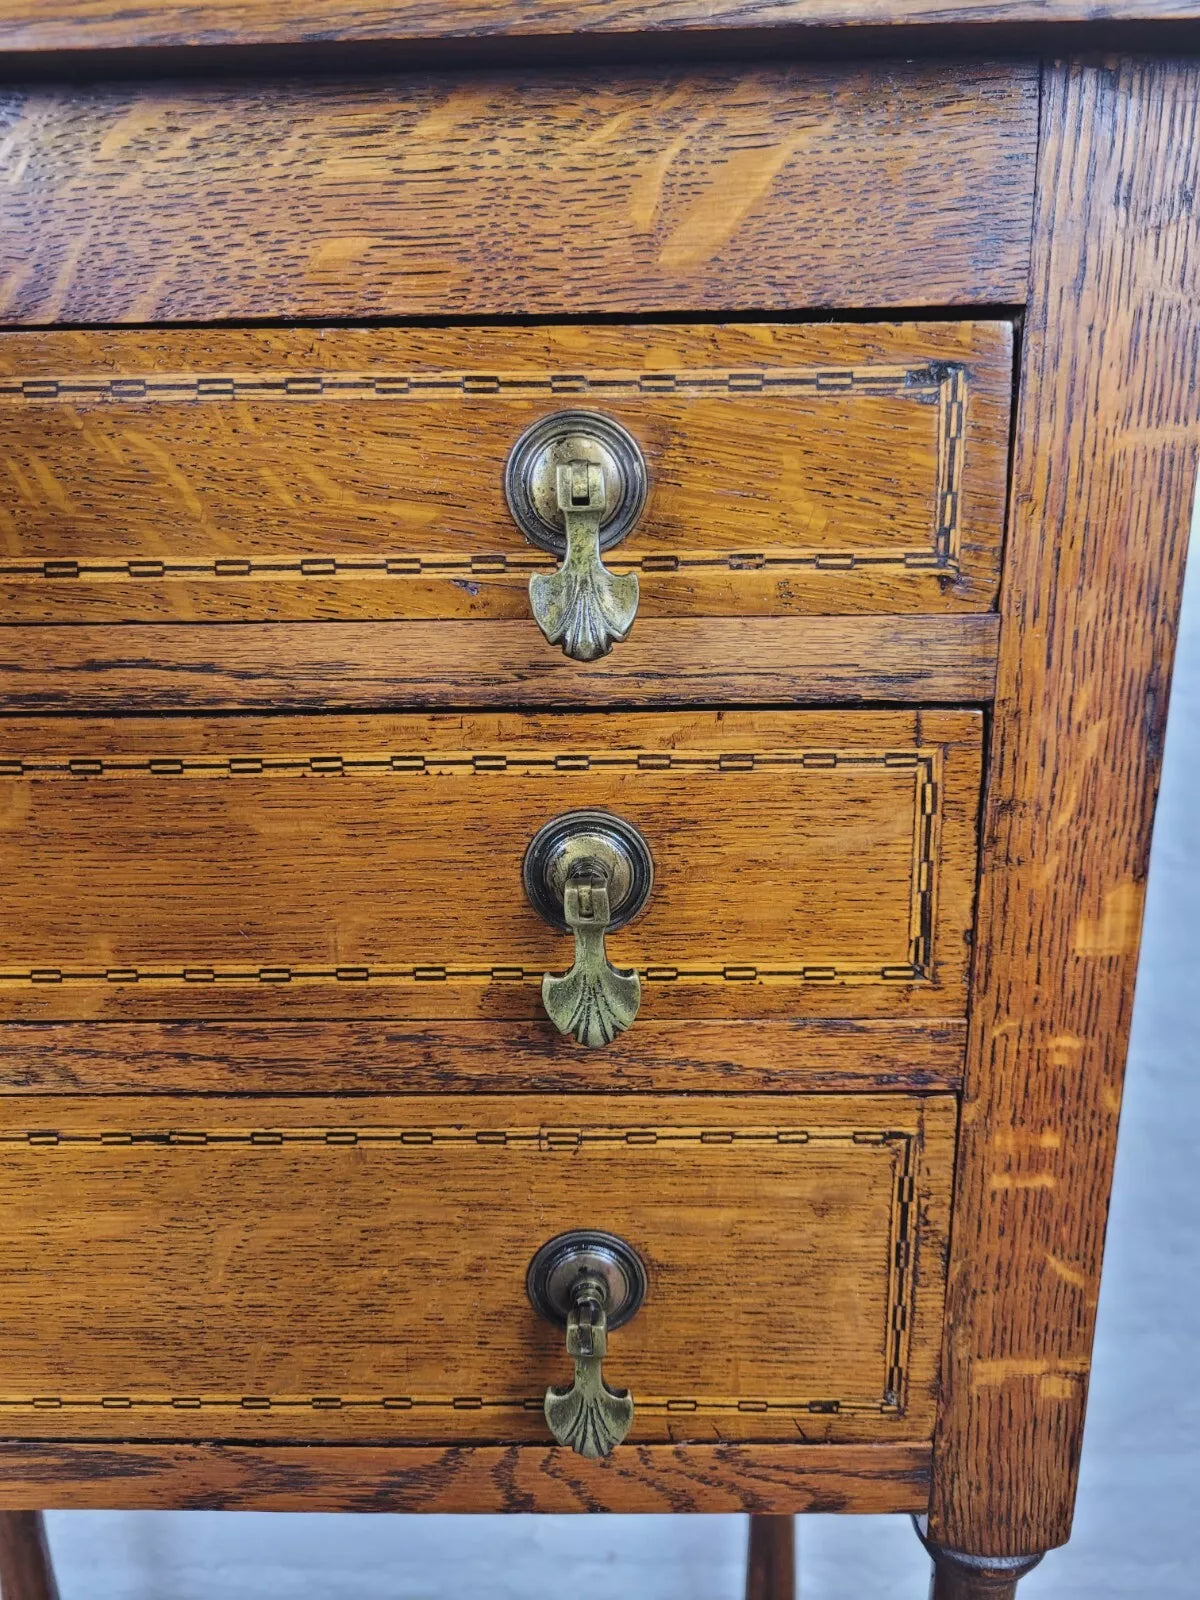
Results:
812 864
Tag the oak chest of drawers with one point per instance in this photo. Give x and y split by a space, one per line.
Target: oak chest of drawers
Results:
585 647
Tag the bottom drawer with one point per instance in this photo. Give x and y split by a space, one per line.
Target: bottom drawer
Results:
354 1270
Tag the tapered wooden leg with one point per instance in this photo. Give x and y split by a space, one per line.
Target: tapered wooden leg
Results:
771 1559
958 1576
25 1569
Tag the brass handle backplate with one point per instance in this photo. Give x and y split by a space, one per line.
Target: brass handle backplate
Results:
590 1283
576 484
586 873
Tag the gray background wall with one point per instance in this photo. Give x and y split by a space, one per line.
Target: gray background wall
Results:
1141 1470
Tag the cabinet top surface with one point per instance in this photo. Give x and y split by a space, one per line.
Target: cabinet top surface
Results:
51 25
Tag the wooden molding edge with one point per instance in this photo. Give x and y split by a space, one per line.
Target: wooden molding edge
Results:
819 1055
637 1478
415 666
56 25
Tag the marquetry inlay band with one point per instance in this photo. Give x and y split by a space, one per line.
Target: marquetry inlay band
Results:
899 1146
942 384
914 964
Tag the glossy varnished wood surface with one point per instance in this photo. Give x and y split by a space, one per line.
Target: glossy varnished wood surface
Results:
353 473
715 189
276 1270
818 1054
662 1478
1108 437
788 661
96 24
816 864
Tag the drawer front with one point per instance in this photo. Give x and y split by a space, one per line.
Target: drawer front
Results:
805 864
351 474
355 1269
526 193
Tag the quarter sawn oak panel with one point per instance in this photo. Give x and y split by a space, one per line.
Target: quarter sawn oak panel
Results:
806 864
755 188
311 1269
1108 447
237 475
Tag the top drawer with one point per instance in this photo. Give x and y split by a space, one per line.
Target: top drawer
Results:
261 475
612 190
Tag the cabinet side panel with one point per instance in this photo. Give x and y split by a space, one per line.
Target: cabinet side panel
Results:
1105 472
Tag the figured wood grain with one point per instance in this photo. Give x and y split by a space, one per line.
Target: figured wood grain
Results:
662 1478
1108 437
788 661
278 1270
780 1056
814 864
718 189
97 24
254 475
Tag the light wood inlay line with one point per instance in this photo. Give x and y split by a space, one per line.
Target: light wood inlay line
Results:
939 382
915 964
898 1146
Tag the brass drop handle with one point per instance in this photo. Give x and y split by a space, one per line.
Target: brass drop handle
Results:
583 606
587 1415
595 1001
576 484
589 1282
588 872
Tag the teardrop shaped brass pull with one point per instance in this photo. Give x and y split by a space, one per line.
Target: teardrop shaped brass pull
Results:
595 1001
588 872
588 1281
576 484
583 606
587 1415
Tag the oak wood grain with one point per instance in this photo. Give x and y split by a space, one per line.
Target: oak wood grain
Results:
781 1056
237 475
805 864
788 661
97 24
718 189
1108 436
661 1478
286 1270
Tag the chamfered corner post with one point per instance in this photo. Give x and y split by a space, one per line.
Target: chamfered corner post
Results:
1108 442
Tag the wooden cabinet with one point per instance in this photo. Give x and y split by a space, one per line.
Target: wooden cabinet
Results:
874 677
